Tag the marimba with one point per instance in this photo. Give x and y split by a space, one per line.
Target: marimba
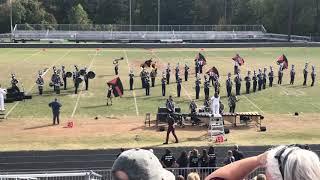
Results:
244 118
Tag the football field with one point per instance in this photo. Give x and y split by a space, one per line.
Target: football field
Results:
277 101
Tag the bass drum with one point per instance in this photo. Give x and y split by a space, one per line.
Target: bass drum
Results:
82 72
69 74
91 75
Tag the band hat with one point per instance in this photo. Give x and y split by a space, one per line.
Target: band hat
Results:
141 164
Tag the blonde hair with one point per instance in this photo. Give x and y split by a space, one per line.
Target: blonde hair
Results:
193 176
301 164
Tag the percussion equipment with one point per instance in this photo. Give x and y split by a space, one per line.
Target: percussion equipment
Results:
82 72
51 84
69 74
91 75
79 80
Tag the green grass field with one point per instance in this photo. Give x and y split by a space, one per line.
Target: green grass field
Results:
277 103
277 100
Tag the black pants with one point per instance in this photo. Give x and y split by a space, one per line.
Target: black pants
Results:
186 76
131 83
163 89
76 88
153 80
65 83
178 90
168 78
270 82
197 92
87 84
200 69
206 92
177 77
248 87
238 88
229 89
56 117
116 70
312 78
305 76
254 86
280 79
40 90
235 70
196 70
171 129
147 89
291 79
142 82
259 85
232 109
264 84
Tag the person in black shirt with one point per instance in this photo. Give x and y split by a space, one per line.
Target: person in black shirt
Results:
171 128
183 163
55 106
204 159
237 154
229 159
212 157
194 158
168 160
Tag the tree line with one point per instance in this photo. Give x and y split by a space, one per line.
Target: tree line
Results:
273 14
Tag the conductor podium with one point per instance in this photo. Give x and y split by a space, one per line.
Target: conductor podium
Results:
216 127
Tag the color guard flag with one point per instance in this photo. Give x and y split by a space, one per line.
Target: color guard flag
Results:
239 59
116 86
213 70
147 63
283 59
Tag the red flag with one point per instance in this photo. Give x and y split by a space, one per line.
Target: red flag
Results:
239 59
213 70
116 86
283 59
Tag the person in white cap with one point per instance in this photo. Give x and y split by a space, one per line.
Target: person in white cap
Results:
215 105
3 92
139 164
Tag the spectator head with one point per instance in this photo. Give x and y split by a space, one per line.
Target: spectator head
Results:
180 177
195 152
55 99
211 149
216 95
229 153
193 176
291 163
260 177
139 164
184 154
236 147
204 152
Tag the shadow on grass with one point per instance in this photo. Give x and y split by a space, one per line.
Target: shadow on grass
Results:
38 127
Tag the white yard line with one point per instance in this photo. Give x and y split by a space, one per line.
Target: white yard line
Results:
315 106
79 95
23 60
133 91
17 103
252 103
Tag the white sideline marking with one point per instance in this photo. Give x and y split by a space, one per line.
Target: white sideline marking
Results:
253 103
79 95
17 103
133 92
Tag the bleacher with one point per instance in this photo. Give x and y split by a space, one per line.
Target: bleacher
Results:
147 33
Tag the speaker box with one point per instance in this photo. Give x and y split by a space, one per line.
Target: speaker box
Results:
263 129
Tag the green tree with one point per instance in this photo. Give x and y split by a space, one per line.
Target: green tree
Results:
78 15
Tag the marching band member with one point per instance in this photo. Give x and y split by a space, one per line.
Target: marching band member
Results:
177 72
168 71
237 81
163 84
179 81
131 79
109 95
76 76
292 74
229 84
206 85
197 83
3 92
14 83
248 82
271 75
305 74
254 79
186 72
313 75
215 104
264 77
40 83
64 77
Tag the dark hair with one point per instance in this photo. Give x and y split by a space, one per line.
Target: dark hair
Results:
211 149
184 154
168 151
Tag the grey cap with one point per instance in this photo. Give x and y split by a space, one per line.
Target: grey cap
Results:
140 164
